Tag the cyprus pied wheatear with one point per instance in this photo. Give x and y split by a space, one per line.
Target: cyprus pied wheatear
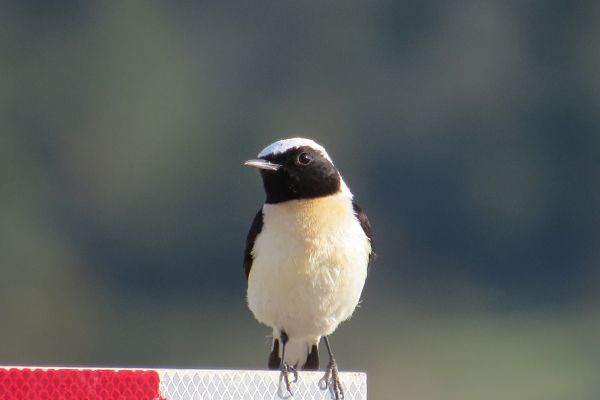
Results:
307 255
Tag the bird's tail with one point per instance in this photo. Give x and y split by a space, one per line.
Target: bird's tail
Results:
299 353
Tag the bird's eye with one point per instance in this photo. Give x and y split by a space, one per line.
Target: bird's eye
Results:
304 158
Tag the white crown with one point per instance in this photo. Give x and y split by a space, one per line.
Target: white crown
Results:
281 146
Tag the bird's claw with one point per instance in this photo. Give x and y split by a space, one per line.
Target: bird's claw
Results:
331 381
285 384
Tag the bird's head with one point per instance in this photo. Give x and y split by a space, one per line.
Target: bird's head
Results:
295 169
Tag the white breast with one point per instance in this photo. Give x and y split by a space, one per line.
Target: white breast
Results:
310 265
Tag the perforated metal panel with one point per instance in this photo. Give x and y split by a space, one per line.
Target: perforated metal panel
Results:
240 384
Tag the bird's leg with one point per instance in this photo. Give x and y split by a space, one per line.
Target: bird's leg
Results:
331 379
285 384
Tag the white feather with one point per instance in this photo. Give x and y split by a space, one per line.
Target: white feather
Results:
281 146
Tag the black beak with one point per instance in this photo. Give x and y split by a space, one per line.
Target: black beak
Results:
262 164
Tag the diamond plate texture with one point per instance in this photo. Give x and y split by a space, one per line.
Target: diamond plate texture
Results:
78 384
251 385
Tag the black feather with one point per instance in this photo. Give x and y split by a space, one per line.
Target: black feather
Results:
366 226
312 361
255 229
274 359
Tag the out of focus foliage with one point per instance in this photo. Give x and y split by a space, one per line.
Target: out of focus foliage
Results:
468 130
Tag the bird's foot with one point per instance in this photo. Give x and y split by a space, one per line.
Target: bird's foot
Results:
285 382
331 381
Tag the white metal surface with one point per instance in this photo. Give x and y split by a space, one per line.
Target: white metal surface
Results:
251 385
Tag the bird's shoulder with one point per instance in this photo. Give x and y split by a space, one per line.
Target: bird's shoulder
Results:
255 229
367 229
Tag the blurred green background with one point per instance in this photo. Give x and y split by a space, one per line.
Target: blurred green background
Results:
468 130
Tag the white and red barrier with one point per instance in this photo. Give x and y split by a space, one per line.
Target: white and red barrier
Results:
56 383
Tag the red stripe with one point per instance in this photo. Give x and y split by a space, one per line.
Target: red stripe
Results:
74 384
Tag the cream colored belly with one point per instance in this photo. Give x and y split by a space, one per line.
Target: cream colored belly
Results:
310 265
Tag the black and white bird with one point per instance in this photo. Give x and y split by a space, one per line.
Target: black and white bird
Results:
307 255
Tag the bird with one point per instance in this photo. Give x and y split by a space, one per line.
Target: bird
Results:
306 257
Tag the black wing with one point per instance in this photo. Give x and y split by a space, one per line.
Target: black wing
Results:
366 226
255 229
